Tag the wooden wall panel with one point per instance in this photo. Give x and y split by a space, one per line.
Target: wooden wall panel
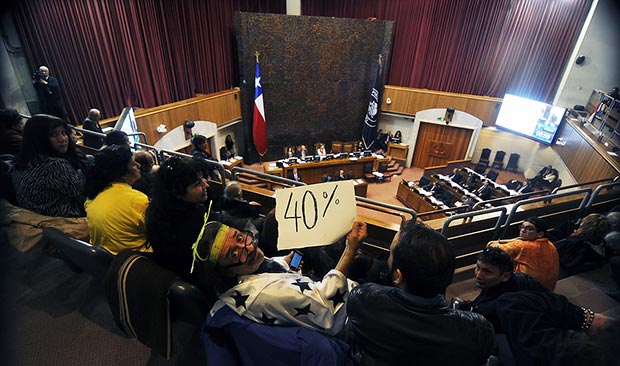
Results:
437 144
445 101
400 100
148 124
183 113
220 108
409 101
486 110
418 102
581 157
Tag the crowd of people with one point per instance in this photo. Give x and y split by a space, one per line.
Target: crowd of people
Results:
381 311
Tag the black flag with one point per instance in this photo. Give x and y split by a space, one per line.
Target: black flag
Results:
369 130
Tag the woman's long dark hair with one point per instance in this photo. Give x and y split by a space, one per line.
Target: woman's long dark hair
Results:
36 141
111 165
171 182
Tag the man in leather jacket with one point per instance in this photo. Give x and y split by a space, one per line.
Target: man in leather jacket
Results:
494 277
411 322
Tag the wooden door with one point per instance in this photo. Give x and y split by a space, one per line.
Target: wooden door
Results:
437 144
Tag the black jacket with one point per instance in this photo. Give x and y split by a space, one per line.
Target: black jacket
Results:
388 326
485 303
89 140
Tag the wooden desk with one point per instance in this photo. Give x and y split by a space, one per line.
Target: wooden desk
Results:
231 164
312 172
361 187
398 151
412 199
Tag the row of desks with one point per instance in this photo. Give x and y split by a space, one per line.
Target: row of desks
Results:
312 172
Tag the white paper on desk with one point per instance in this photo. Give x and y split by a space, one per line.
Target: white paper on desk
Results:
314 215
612 153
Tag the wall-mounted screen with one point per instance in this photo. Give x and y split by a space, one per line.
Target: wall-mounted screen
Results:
530 118
127 123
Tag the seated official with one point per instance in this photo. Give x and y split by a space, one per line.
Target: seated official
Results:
266 290
538 179
294 175
550 178
525 188
321 150
340 176
230 147
302 153
435 188
397 139
115 211
495 277
456 176
470 183
485 190
411 324
532 252
514 184
289 152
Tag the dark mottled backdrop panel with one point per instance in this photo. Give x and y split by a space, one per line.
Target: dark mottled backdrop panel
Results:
316 75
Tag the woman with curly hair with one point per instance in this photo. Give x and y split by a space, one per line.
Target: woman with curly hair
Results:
177 213
115 211
48 177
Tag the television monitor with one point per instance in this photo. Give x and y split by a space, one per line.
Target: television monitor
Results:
127 123
530 118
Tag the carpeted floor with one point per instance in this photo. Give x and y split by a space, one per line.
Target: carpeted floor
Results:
55 316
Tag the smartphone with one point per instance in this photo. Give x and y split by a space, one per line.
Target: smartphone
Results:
296 260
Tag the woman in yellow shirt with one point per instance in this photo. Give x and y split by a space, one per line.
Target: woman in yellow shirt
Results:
115 211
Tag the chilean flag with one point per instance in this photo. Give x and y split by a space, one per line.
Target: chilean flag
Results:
259 127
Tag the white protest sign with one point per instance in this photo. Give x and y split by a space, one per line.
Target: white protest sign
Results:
314 215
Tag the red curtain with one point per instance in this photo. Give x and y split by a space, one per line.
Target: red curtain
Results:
115 53
476 47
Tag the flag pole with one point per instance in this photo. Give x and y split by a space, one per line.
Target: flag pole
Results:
256 54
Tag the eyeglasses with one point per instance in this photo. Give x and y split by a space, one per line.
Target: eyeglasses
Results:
246 238
527 228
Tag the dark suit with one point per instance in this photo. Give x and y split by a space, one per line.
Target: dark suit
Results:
525 189
484 192
50 97
435 189
292 176
456 177
92 141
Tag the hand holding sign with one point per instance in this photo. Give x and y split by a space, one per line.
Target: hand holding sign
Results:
314 215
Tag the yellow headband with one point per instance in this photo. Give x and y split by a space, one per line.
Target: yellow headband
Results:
216 248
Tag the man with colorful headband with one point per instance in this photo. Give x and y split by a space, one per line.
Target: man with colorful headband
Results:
266 290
